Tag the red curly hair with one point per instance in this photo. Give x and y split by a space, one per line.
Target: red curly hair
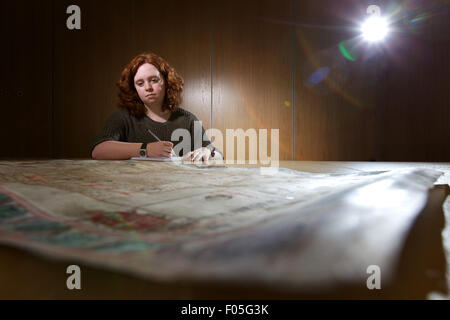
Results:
128 96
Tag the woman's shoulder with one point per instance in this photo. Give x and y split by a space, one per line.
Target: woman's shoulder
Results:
120 116
119 112
180 112
123 114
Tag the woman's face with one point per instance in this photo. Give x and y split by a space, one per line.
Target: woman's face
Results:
149 85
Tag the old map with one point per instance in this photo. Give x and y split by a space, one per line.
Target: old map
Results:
169 221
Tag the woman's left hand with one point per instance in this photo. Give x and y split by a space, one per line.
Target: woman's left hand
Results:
198 155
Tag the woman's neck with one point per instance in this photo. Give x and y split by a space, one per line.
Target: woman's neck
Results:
157 114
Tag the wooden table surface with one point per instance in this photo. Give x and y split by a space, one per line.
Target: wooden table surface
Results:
25 275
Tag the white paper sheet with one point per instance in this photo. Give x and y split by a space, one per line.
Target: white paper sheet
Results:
158 159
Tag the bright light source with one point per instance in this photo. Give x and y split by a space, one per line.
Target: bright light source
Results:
375 29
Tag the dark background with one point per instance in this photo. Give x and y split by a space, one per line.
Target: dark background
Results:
246 64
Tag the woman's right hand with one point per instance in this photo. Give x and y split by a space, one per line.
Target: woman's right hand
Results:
160 149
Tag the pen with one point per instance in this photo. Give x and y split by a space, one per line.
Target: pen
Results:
154 135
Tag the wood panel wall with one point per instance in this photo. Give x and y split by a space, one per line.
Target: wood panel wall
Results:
415 113
246 64
252 70
334 118
179 31
25 79
88 63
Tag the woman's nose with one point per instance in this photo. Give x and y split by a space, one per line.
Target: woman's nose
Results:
148 87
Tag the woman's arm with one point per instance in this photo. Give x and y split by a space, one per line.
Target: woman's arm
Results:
117 150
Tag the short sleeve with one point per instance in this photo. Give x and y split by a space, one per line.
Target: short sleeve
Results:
114 129
205 139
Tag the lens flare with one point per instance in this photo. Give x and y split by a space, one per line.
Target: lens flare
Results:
345 52
318 76
427 19
375 29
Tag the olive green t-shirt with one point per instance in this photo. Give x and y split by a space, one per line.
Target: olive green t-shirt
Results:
122 126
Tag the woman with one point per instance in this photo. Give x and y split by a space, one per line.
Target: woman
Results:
149 99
